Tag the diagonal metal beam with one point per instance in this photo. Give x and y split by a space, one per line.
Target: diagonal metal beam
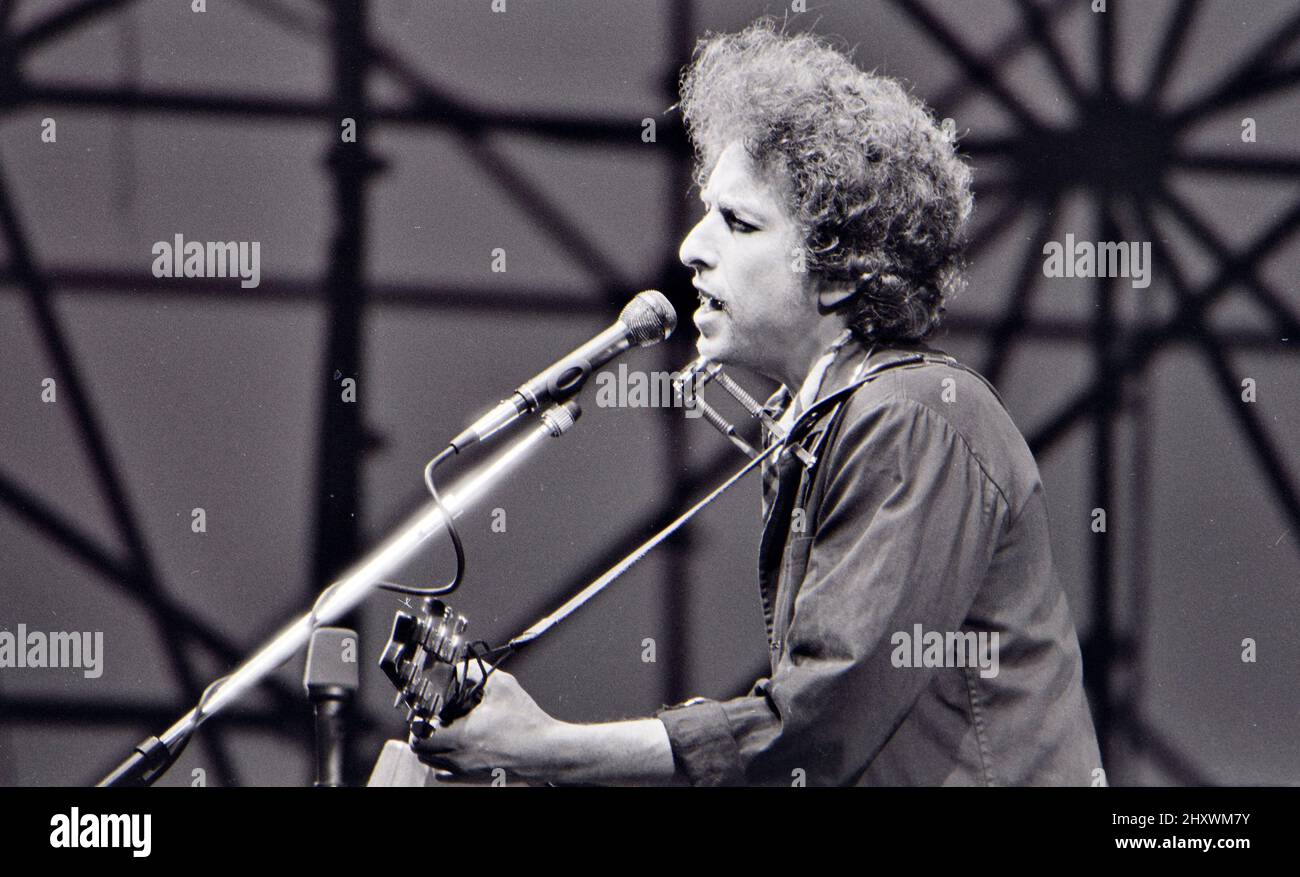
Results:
1171 49
184 624
1041 29
145 579
981 72
1005 50
44 518
1253 77
432 104
1267 455
527 194
469 126
552 220
60 23
1255 87
1287 322
433 107
1147 342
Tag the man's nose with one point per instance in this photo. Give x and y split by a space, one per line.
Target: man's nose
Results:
697 251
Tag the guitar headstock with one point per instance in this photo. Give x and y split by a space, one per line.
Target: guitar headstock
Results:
421 660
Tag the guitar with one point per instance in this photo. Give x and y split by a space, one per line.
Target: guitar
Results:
398 766
421 660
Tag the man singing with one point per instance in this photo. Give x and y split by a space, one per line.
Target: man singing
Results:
918 634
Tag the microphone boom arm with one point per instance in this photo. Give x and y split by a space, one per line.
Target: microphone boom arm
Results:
155 754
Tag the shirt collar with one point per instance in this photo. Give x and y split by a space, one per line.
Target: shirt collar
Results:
849 363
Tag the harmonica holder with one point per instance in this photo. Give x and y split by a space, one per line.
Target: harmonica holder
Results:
701 372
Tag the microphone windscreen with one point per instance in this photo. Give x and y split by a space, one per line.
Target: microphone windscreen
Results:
332 660
649 317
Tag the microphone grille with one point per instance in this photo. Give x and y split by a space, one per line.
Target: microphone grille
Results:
331 660
649 318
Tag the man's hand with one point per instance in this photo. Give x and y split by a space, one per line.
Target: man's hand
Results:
510 732
506 731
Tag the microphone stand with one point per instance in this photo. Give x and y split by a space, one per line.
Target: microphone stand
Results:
151 758
330 713
330 679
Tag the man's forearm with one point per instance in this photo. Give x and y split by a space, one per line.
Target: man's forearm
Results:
635 752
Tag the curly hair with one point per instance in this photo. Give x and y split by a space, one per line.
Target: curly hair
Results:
878 188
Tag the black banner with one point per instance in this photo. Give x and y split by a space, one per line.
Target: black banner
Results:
229 826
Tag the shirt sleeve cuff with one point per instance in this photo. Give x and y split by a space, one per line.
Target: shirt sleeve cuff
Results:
703 747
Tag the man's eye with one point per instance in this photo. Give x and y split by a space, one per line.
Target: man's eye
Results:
735 222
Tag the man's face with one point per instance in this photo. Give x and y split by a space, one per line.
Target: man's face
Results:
756 309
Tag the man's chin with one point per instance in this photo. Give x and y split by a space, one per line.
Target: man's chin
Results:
716 350
713 349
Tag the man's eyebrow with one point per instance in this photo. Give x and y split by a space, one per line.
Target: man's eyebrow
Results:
741 204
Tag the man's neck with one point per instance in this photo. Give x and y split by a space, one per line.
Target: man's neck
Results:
801 365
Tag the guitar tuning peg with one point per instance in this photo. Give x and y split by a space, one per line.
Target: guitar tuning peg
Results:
404 627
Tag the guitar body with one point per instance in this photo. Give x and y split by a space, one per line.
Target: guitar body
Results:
400 767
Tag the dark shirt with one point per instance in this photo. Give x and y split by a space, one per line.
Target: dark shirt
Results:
924 507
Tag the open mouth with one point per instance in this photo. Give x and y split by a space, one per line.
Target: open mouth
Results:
709 303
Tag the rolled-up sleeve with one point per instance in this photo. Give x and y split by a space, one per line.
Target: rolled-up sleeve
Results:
905 533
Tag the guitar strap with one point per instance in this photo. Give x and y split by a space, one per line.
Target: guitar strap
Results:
817 427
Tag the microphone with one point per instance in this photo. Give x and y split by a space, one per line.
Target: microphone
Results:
330 679
647 319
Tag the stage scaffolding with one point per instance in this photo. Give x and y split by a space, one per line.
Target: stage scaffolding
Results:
1132 200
